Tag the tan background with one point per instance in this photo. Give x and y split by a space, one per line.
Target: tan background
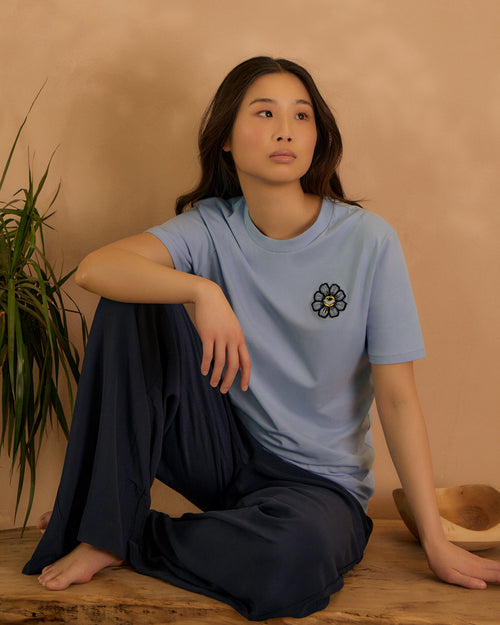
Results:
415 86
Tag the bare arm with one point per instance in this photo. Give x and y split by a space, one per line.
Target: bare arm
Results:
137 269
405 432
140 269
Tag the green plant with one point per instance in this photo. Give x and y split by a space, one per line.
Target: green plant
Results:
35 346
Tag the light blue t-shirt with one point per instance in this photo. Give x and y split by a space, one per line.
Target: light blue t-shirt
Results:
315 310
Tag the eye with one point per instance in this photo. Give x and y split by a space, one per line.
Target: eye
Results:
302 116
265 114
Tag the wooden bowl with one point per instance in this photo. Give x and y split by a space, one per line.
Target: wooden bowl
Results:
470 515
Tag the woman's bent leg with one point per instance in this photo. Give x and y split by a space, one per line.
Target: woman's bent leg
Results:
139 361
279 550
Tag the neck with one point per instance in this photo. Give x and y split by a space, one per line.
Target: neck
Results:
280 211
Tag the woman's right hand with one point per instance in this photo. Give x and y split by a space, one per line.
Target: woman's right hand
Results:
223 342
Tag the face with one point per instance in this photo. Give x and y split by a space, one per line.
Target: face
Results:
274 133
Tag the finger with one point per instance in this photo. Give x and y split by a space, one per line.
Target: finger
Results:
466 574
232 366
208 352
245 366
479 567
487 570
218 364
467 581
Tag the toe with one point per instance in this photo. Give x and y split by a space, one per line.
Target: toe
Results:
57 583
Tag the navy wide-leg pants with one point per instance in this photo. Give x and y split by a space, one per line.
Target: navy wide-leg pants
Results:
272 540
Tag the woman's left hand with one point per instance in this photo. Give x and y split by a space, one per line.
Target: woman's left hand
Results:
457 566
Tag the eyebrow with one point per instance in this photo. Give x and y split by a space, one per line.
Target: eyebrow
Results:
271 101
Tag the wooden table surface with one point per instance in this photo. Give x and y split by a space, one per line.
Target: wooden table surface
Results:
391 586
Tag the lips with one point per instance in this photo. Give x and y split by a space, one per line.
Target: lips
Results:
283 156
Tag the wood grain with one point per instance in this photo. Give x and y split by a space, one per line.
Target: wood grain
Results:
391 586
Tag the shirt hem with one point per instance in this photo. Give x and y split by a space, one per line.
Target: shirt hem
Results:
396 358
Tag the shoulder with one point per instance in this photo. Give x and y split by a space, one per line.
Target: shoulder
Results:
215 209
360 222
205 212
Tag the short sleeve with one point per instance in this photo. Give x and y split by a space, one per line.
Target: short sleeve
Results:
393 327
187 240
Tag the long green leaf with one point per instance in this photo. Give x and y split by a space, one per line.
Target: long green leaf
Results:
13 148
22 385
41 184
11 329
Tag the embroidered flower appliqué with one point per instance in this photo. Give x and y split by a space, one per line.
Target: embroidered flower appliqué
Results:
329 301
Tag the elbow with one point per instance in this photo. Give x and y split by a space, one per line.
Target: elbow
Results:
80 277
82 274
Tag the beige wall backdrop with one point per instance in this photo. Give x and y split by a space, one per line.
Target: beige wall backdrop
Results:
415 86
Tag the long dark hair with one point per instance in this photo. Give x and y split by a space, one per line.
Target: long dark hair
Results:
218 173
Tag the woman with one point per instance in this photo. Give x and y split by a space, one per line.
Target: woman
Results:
303 312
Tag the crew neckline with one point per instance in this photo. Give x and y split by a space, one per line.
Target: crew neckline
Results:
295 243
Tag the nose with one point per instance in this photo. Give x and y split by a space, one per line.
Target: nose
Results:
282 130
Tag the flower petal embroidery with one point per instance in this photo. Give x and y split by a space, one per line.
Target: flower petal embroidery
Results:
324 289
329 301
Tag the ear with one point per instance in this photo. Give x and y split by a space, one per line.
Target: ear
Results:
227 145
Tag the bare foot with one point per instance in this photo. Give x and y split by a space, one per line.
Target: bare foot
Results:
77 567
43 521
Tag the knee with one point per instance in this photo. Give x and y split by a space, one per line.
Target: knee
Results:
112 316
299 535
308 550
297 573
